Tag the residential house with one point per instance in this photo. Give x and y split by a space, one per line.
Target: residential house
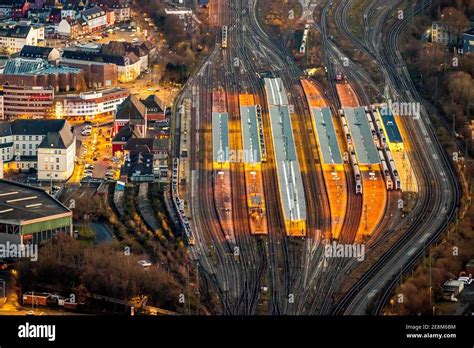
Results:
14 9
49 146
96 18
14 38
70 28
131 113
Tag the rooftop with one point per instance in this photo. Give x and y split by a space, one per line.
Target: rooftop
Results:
276 92
365 149
35 66
93 12
289 174
131 109
220 137
57 133
18 31
250 138
93 55
390 126
326 135
29 51
21 203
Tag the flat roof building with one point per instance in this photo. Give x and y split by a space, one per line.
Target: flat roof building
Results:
31 214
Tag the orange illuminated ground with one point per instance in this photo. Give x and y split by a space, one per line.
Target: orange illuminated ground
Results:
312 94
374 200
246 100
374 193
334 175
346 95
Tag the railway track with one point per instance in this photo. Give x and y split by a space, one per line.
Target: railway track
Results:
432 195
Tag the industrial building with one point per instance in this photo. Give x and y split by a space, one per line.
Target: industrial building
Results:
289 176
30 215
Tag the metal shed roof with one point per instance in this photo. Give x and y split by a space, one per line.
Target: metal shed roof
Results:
220 137
365 149
250 137
326 135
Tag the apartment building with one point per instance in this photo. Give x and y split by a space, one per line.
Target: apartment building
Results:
49 146
27 102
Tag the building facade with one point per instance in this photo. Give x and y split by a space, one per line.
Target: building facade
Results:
13 39
48 146
441 34
90 104
27 102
